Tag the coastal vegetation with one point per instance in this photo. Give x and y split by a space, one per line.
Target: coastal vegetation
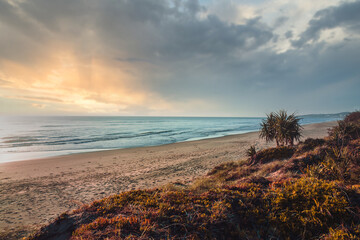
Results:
306 191
281 127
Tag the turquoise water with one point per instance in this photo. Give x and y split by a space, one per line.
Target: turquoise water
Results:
23 138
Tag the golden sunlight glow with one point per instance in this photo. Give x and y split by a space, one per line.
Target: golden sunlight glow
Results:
93 85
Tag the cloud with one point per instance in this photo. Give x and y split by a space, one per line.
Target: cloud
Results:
36 105
130 59
178 57
345 15
289 34
36 98
4 82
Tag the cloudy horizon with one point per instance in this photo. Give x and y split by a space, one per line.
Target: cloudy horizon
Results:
178 58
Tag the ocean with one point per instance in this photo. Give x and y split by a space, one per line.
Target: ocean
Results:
23 138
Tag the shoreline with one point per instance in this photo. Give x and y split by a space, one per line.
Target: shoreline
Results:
98 151
36 191
117 149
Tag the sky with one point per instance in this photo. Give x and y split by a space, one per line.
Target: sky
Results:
179 57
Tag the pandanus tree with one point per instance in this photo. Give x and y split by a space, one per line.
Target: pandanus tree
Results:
281 127
268 128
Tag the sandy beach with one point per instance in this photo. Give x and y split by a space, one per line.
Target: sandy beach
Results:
34 192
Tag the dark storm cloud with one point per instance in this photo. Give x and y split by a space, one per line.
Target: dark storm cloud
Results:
152 29
173 32
346 15
211 37
169 30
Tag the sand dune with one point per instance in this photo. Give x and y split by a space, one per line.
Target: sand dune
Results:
34 192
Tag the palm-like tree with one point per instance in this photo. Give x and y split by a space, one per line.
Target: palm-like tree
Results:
268 128
281 127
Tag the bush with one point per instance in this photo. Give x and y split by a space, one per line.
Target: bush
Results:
340 164
271 154
251 151
353 117
344 132
225 173
335 166
157 214
309 144
307 208
303 208
224 167
343 233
